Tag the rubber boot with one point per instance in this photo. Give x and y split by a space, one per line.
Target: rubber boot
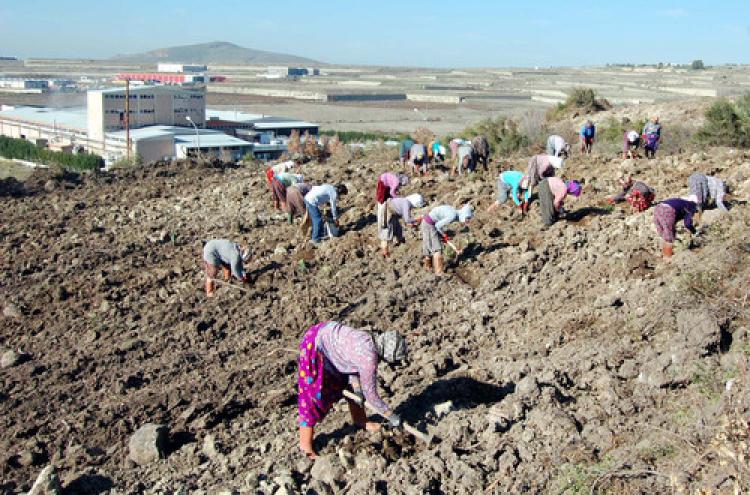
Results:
437 262
667 251
306 434
227 273
427 263
209 288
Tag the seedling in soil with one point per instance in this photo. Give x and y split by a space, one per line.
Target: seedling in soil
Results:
301 266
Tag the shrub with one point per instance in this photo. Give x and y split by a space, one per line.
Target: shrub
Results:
727 124
24 150
311 149
294 144
613 130
363 137
697 65
502 133
580 101
381 152
423 135
125 163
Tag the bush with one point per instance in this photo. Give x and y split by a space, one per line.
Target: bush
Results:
23 150
311 149
613 130
697 65
502 133
294 143
363 137
381 152
727 124
125 163
423 136
581 101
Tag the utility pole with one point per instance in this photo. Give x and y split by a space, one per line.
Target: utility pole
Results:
127 117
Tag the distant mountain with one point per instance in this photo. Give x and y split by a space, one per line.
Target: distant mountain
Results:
217 52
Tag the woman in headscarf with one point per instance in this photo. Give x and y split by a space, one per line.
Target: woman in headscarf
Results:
541 166
630 143
295 200
557 146
225 255
707 189
651 136
278 190
638 194
510 184
667 214
588 134
333 357
389 222
552 194
388 185
434 234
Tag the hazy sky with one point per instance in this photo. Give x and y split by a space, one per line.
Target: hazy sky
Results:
432 33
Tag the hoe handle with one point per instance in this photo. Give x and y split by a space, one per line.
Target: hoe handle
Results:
406 426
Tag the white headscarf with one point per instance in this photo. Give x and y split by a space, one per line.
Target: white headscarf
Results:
415 200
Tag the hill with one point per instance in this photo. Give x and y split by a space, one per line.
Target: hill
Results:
217 52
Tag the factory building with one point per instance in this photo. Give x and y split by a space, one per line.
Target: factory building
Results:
149 105
281 71
159 126
163 77
248 125
180 68
23 85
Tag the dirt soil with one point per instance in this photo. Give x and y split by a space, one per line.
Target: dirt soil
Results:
566 360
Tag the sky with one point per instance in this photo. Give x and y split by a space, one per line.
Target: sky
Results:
420 33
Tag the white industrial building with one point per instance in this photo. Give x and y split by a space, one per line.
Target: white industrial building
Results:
24 85
149 105
181 68
165 122
282 71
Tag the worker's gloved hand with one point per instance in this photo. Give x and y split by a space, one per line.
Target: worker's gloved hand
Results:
394 420
446 238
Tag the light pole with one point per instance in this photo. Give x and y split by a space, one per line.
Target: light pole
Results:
197 136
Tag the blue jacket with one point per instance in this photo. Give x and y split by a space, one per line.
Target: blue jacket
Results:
588 131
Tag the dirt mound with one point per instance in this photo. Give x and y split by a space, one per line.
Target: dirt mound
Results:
562 360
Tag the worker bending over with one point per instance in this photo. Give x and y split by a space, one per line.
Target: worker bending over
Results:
225 255
333 357
433 234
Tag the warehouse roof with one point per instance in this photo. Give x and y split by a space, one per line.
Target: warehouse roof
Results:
259 121
214 140
70 118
